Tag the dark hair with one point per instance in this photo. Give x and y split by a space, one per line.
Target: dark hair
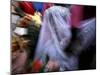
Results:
64 5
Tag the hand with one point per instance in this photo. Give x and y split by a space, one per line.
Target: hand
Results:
52 66
25 21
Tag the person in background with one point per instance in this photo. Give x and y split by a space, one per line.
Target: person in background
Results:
83 28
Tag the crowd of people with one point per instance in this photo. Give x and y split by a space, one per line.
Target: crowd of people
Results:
52 37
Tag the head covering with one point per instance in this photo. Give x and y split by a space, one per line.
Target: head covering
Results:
55 35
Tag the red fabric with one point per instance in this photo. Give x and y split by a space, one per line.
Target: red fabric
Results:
37 66
77 15
27 7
